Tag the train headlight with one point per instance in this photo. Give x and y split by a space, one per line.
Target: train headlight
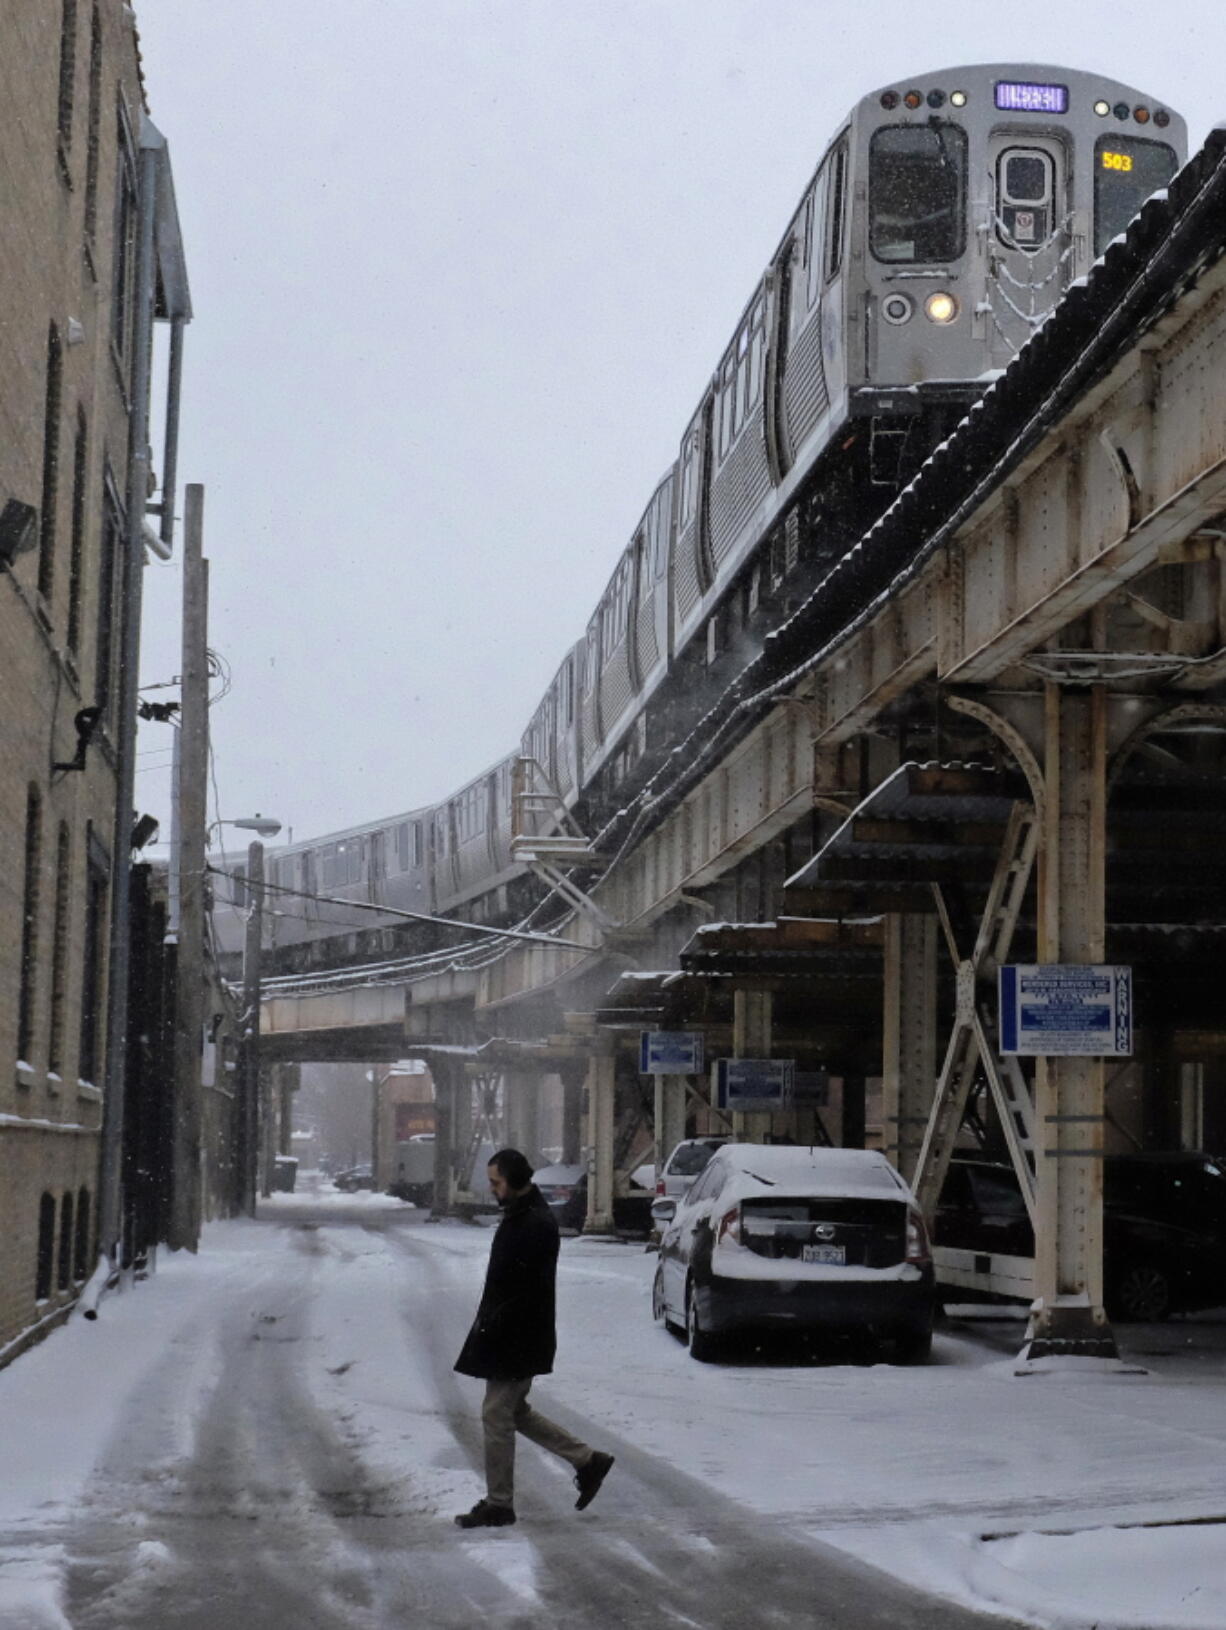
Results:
1102 109
958 99
897 308
941 307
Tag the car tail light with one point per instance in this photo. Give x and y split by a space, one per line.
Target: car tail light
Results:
917 1239
661 1187
729 1230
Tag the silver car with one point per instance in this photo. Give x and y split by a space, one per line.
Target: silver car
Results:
789 1238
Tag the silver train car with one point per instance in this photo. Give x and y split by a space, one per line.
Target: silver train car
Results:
947 216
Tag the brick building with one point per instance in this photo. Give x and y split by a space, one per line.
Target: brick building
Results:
90 257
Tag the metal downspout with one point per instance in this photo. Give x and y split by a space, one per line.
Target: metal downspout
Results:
110 1184
170 454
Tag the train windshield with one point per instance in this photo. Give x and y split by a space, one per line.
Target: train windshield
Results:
917 192
1126 170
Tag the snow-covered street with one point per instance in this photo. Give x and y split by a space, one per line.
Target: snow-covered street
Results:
272 1434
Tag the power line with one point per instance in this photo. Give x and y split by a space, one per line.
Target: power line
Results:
411 916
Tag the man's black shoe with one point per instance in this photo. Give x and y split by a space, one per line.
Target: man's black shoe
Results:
485 1515
590 1476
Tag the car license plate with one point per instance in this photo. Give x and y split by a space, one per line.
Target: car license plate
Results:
834 1256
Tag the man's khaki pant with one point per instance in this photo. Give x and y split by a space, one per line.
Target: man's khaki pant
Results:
506 1411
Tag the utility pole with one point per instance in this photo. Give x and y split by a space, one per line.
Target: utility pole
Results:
249 1072
187 864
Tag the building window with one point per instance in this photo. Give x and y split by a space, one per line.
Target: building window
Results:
95 123
126 210
80 1264
68 71
46 1248
80 482
59 951
29 926
108 579
51 462
63 1275
90 1058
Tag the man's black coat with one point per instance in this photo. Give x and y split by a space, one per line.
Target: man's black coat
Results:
514 1333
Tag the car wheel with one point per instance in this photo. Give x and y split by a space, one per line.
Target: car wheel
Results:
658 1310
1141 1295
913 1345
701 1343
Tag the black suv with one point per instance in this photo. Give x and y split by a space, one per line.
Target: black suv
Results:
1164 1228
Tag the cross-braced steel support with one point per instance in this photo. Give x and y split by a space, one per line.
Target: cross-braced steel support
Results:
970 1044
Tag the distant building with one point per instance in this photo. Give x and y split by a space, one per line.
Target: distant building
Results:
90 256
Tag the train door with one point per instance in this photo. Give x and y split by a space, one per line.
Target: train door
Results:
1031 238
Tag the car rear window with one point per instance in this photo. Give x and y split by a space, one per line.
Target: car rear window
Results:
690 1159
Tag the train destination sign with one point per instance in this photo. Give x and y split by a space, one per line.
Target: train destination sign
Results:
1060 1010
670 1052
1020 96
754 1085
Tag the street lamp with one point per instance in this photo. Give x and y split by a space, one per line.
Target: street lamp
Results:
267 826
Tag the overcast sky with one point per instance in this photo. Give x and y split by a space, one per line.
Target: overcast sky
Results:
460 270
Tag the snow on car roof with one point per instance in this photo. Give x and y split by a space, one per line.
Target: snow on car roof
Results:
761 1167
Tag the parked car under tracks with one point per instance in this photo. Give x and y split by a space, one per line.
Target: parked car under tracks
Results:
795 1238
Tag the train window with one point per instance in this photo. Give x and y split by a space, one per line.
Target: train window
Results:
817 215
1025 190
568 694
917 193
659 522
741 376
836 199
691 461
644 554
1126 171
617 607
727 401
757 353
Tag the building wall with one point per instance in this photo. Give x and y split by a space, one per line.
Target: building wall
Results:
65 95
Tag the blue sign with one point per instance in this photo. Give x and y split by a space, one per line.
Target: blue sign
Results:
1061 1010
670 1052
754 1085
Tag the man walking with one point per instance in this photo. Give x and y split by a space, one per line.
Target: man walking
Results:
513 1339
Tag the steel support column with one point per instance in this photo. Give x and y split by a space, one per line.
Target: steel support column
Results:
909 1043
602 1094
461 1125
447 1077
669 1115
752 1017
1068 1315
573 1074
